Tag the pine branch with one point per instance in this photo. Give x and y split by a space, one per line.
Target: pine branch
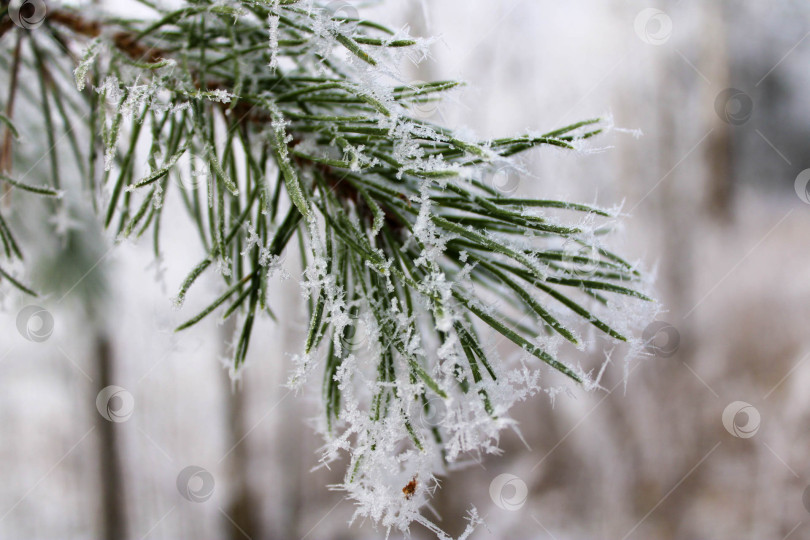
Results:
268 121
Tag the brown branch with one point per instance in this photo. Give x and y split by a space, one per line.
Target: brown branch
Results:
75 22
126 42
5 26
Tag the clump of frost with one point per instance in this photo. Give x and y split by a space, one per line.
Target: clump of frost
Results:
272 31
610 125
89 56
224 266
218 96
303 365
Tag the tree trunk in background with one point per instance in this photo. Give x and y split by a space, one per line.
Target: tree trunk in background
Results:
295 473
290 423
112 484
674 201
718 155
242 508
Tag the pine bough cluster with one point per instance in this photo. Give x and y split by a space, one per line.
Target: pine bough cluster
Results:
284 122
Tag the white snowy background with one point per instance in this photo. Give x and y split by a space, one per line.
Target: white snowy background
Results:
712 207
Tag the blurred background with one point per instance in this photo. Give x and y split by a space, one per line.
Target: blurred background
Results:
709 439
